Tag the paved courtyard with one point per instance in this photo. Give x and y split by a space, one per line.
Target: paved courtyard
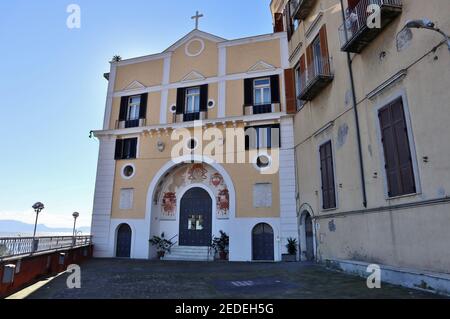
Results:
123 279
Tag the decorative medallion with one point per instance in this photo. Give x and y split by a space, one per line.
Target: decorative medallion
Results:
223 203
197 172
194 47
216 179
169 203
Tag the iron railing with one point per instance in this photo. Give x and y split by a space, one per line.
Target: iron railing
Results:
261 108
319 67
22 246
130 123
356 18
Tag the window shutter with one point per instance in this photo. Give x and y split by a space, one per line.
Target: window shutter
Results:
324 49
302 72
291 99
275 88
119 147
278 25
327 174
181 93
123 108
309 61
133 148
204 98
397 152
248 92
289 27
143 106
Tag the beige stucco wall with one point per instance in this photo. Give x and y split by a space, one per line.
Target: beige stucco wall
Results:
235 97
240 58
150 161
148 73
413 237
206 63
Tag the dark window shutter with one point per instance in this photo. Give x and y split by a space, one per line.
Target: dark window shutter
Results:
324 50
275 88
327 175
119 147
288 20
248 92
278 22
123 108
181 93
397 152
291 98
204 98
143 106
133 148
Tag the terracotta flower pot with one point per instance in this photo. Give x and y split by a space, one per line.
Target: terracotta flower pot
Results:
223 255
161 254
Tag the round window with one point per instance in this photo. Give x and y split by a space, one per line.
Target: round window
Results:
173 108
263 161
192 144
128 171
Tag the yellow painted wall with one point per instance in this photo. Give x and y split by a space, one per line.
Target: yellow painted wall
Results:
148 73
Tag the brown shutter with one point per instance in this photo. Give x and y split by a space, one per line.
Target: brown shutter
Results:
324 50
278 23
327 174
302 72
309 62
289 28
291 99
397 152
143 106
123 108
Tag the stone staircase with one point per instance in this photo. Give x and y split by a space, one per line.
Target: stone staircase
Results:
190 253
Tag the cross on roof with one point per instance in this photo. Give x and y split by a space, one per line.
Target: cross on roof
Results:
197 17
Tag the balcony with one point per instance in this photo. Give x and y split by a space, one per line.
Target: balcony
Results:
315 78
302 8
262 109
130 123
355 35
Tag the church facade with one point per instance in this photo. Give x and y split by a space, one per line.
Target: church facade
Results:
197 140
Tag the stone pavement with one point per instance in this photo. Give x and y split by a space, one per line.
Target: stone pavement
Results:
138 279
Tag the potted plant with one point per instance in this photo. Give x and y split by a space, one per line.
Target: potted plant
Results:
162 245
292 250
220 245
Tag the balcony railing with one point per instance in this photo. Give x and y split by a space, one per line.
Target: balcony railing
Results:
315 78
261 108
355 34
23 246
302 8
130 123
189 117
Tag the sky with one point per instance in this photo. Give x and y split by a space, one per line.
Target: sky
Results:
52 90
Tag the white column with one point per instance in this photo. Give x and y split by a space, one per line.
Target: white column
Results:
109 96
165 90
221 111
288 211
101 216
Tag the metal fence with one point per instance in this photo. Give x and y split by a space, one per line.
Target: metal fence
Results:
22 246
356 18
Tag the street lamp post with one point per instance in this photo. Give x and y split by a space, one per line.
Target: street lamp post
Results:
75 216
38 207
429 25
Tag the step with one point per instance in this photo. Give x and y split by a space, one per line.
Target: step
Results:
190 253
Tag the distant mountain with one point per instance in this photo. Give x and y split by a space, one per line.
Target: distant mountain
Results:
13 226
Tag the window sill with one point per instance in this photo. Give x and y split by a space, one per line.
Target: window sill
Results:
402 196
327 210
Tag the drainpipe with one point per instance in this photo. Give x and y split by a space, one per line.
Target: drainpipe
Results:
355 109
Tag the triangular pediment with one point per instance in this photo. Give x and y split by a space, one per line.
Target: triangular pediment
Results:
194 34
193 76
135 85
261 66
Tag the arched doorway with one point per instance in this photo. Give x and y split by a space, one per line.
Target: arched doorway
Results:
309 238
195 218
262 242
123 244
